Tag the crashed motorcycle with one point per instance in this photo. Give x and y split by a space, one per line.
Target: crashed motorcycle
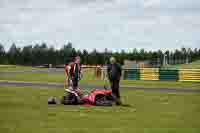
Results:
97 97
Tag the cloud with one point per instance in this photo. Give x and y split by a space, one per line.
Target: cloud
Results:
152 3
175 5
181 4
115 24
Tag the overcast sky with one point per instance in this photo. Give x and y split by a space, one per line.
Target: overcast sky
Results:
100 24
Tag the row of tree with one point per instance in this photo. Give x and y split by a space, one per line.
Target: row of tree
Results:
42 54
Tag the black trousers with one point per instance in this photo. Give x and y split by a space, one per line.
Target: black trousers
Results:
75 83
115 88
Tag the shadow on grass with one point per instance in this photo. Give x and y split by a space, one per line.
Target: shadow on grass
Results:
125 105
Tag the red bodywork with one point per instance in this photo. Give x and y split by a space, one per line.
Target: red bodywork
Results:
90 99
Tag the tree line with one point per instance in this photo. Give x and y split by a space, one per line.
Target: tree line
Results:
39 54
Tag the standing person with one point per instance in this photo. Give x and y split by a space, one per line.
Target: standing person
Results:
114 72
68 81
73 72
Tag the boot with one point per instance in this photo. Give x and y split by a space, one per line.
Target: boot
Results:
118 101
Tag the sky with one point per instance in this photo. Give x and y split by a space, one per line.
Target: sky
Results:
100 24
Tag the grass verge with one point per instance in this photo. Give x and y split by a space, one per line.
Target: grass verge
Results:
25 110
8 68
89 79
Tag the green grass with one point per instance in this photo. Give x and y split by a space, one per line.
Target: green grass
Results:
43 77
4 68
89 78
25 110
39 77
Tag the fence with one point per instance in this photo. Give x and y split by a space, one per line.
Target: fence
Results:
155 74
149 74
192 75
132 74
189 75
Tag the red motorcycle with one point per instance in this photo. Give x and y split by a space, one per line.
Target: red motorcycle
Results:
97 97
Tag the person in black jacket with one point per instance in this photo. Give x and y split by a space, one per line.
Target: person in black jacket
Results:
114 72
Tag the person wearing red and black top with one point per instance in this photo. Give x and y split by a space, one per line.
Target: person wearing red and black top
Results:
114 72
73 72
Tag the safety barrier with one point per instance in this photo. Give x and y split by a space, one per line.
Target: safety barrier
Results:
149 74
184 75
168 75
131 74
189 75
192 75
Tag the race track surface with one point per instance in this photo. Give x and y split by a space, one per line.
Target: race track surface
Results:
61 86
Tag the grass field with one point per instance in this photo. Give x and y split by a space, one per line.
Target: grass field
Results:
89 78
25 110
17 68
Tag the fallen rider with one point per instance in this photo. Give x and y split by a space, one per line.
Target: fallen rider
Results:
97 97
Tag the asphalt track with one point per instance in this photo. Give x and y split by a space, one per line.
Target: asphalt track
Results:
37 85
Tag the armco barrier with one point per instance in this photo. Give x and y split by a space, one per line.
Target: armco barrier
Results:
131 74
189 75
184 75
149 74
168 75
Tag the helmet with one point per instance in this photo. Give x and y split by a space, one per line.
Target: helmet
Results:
52 100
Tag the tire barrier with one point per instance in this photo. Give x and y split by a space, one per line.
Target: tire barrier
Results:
168 75
131 74
149 74
192 75
186 75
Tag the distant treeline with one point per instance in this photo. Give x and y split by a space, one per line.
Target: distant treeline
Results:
39 54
